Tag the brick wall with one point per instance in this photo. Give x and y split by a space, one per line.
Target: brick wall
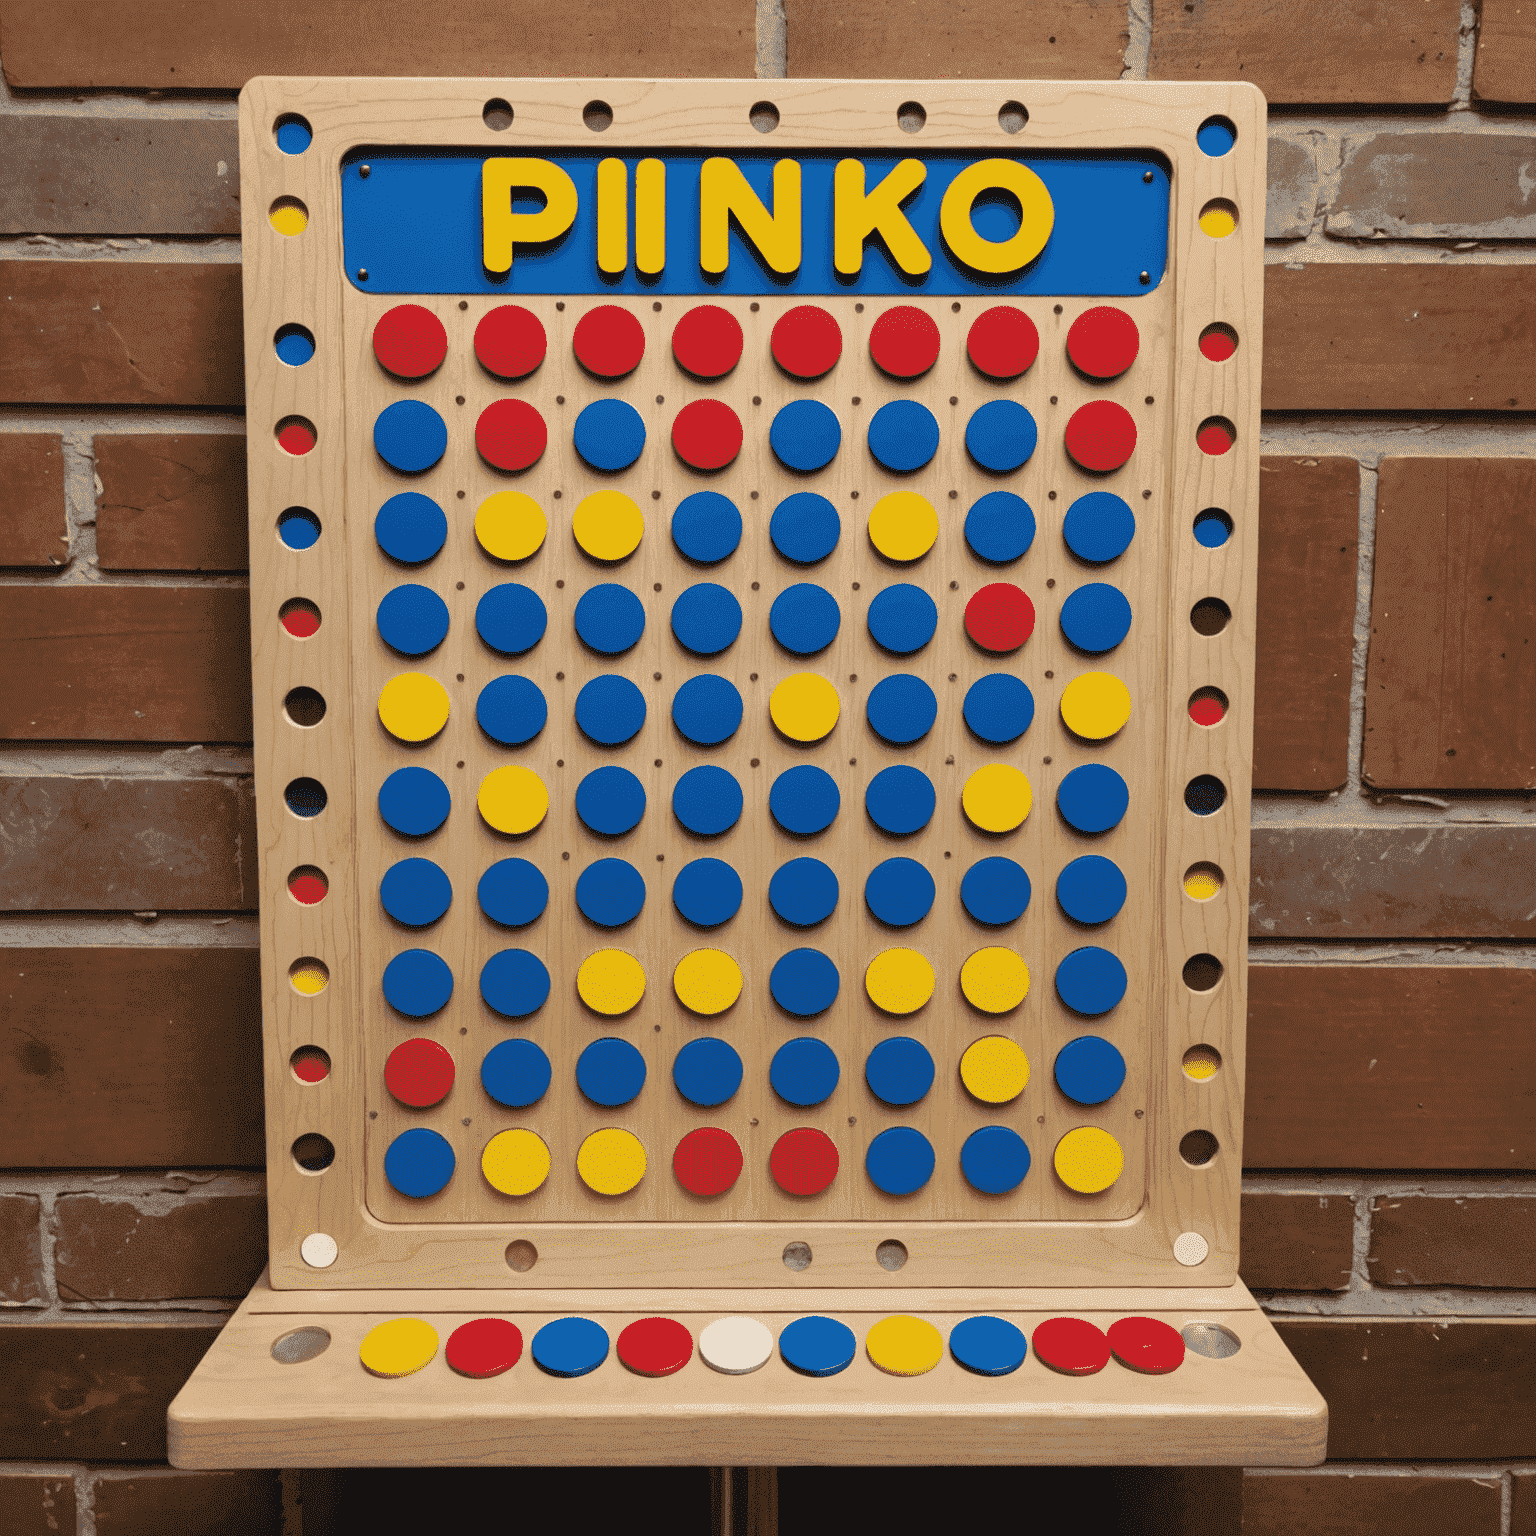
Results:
1390 1205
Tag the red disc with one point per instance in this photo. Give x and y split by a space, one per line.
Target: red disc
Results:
905 341
310 1064
1146 1345
1101 435
1003 342
1071 1346
1000 617
1215 436
488 1346
707 341
655 1346
707 1161
609 341
1207 707
510 435
295 435
1103 342
409 341
803 1161
1218 342
299 617
806 341
308 886
419 1073
707 434
509 341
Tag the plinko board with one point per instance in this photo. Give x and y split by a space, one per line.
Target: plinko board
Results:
752 613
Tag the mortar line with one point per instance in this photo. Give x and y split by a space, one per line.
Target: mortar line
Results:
772 49
1138 40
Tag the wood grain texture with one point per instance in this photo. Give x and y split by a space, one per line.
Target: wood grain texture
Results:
1398 337
1388 51
190 1504
1505 66
1462 1240
36 1503
1308 546
122 663
33 530
21 1251
120 332
1416 1504
1371 1067
171 502
1450 683
118 176
1296 1242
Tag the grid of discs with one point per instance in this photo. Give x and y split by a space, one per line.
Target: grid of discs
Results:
641 720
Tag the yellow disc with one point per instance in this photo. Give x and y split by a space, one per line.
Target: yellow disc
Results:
1089 1160
994 1069
997 798
515 1162
413 706
1202 1062
398 1347
1202 881
608 525
804 706
1218 218
995 979
288 216
904 1346
903 525
707 981
513 799
899 980
510 525
610 981
611 1162
309 976
1095 705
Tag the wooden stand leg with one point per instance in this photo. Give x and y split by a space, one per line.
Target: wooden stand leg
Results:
744 1501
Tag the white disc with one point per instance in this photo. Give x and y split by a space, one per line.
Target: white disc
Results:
1189 1248
736 1346
318 1250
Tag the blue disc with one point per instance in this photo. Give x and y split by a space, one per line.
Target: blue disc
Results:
818 1346
1001 436
410 436
994 1160
1205 794
707 710
569 1346
804 1071
804 800
1099 527
511 618
901 709
706 527
515 1073
609 434
899 892
707 892
306 798
899 1161
610 1072
514 983
1091 889
899 1071
414 801
293 136
707 800
609 618
1215 136
1212 528
415 892
418 1163
995 891
610 710
513 892
1089 1070
805 435
610 801
903 435
999 707
299 528
805 528
412 619
804 982
804 618
900 800
707 1072
410 528
610 892
417 983
294 345
1096 617
803 892
511 710
1092 798
706 618
902 619
1000 527
1090 980
989 1346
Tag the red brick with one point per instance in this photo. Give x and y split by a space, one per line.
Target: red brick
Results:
190 1504
33 530
21 1250
1505 67
171 502
1367 1503
1296 1242
1523 1512
1462 1240
36 1504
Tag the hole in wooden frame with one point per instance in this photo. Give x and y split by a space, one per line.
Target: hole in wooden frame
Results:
1211 1340
304 706
310 1064
295 435
1210 616
598 116
1208 706
497 114
305 797
1205 794
1198 1148
1218 341
309 977
313 1152
1012 116
911 117
764 116
299 1345
1203 881
1202 1063
797 1256
308 885
1202 972
891 1254
521 1255
1215 436
300 617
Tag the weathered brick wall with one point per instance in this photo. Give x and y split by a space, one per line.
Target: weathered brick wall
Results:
1390 1205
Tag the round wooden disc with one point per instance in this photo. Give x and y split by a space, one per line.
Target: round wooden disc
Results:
655 1346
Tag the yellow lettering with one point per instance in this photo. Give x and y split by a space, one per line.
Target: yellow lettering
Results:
501 229
650 216
612 215
1038 215
724 191
857 214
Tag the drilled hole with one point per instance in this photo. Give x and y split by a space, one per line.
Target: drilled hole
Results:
306 798
301 1344
308 885
891 1254
521 1255
1202 1063
764 116
797 1256
1210 616
310 1064
911 117
304 706
1211 1340
598 116
1208 706
1012 116
313 1152
497 115
1197 1148
1205 794
1202 972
